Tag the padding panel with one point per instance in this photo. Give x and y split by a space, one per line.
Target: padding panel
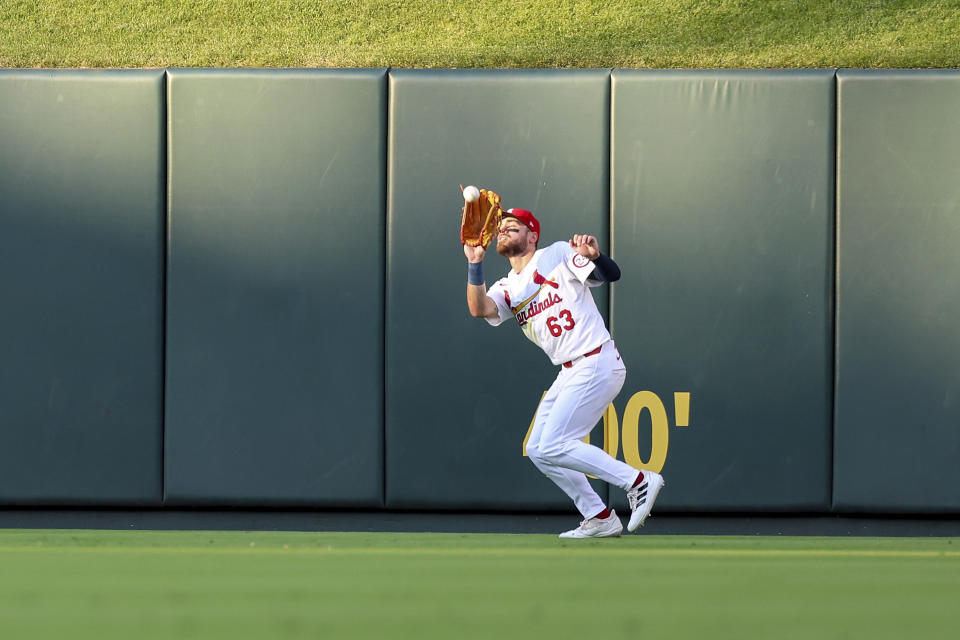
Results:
81 286
898 329
722 209
275 300
460 394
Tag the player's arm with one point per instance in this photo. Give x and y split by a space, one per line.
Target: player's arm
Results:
479 303
604 268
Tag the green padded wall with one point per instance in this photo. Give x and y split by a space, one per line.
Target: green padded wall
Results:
898 299
714 189
81 264
540 139
274 388
722 224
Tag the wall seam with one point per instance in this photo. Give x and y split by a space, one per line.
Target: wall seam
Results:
835 289
610 195
385 265
165 279
608 97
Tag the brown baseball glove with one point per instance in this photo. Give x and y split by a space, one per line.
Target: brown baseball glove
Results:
481 220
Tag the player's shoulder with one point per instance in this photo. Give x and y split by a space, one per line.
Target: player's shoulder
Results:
499 284
554 255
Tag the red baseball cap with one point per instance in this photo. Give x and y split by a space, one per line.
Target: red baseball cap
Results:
524 216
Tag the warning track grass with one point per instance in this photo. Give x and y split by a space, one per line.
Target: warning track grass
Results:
95 584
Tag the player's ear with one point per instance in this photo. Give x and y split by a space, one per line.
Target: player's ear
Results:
535 236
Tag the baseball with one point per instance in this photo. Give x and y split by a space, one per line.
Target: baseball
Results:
471 194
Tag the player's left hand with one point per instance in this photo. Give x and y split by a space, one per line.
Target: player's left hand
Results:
586 246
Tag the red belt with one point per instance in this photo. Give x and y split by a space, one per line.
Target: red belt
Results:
589 353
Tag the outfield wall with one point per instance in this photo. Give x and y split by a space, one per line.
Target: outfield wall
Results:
243 287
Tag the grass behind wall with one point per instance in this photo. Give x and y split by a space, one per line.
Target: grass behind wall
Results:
480 33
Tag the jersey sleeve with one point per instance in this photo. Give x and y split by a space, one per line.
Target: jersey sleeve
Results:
497 293
576 266
581 268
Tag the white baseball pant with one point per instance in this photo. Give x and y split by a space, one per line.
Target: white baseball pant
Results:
568 412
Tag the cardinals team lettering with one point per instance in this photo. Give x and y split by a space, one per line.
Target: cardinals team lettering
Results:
537 307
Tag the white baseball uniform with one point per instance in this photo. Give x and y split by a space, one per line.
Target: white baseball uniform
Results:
551 301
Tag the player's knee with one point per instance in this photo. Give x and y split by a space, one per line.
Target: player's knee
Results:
553 452
534 453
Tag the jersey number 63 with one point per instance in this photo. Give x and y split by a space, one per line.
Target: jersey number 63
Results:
553 323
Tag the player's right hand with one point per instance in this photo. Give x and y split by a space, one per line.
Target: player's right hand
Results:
474 254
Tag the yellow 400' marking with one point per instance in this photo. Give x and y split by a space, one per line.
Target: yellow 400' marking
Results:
659 428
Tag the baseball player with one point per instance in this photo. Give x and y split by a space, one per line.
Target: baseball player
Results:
547 293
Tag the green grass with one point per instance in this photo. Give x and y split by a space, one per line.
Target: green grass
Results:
94 584
480 33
